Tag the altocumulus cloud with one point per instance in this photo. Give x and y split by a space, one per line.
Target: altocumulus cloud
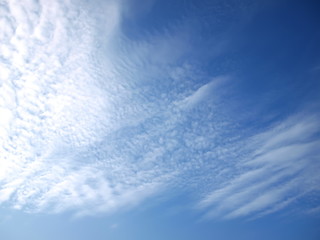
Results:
92 121
55 116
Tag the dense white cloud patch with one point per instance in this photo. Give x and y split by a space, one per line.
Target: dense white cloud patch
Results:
95 122
53 108
77 131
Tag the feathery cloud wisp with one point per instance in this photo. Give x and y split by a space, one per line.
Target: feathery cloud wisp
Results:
279 171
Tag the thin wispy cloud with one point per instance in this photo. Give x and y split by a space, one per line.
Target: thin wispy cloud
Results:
280 170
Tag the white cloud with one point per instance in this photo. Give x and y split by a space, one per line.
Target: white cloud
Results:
277 173
52 109
94 122
203 93
71 116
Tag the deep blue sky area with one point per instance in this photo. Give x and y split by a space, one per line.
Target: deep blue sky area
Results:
159 119
270 46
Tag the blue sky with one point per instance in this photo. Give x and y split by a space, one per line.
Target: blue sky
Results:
146 119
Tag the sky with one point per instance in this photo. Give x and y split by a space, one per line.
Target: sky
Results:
159 119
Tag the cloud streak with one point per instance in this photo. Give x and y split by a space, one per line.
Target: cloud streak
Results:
278 172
